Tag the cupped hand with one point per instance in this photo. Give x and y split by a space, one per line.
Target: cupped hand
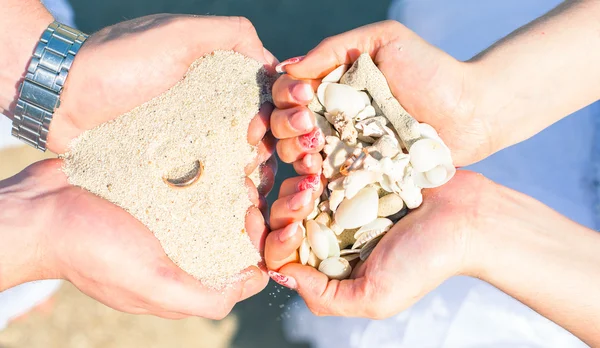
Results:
126 65
429 245
431 85
111 256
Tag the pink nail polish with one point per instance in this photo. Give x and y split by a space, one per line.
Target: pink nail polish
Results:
303 92
300 200
310 182
284 280
312 140
280 68
288 232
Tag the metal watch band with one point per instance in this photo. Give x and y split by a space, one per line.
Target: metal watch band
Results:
39 93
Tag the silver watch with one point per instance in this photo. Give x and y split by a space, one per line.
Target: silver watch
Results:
39 93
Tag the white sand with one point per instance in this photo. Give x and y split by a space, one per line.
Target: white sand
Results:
205 117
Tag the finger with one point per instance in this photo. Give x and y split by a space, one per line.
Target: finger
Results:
350 297
253 195
311 163
293 149
281 246
301 183
345 49
267 176
256 229
289 92
255 284
293 122
271 61
265 149
260 124
292 208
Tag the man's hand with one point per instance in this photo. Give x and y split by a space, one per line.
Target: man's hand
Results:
56 230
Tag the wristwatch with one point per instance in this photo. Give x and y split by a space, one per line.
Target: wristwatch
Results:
39 93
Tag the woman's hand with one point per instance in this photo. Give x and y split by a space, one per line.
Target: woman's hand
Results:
50 229
433 87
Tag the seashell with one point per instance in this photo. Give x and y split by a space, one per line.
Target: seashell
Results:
359 179
336 152
359 210
366 250
335 199
335 268
372 127
390 205
365 139
303 229
349 252
318 239
350 257
367 112
316 107
313 214
435 177
313 260
426 154
366 99
334 247
409 191
386 146
304 251
395 168
338 98
324 125
323 218
344 125
427 131
336 75
321 93
389 185
337 229
371 231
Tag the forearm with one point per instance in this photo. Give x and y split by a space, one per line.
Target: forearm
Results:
540 73
21 24
544 260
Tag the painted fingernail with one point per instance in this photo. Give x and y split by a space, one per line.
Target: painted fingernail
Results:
281 66
300 200
303 92
288 232
310 182
308 161
301 121
284 280
312 140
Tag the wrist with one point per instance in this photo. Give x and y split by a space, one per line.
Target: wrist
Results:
23 25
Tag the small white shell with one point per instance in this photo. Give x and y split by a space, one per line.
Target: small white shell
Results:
386 146
323 218
426 154
335 199
409 191
366 99
313 214
313 260
335 268
367 112
342 98
304 251
334 246
372 127
371 231
358 211
435 177
318 239
390 205
321 92
428 131
337 229
336 75
336 152
359 179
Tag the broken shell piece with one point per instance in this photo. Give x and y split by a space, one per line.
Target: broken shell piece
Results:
335 199
304 251
324 206
351 257
318 239
338 98
349 252
390 205
371 231
344 124
409 191
323 218
313 260
336 75
316 106
184 176
359 179
324 125
335 268
367 112
336 152
426 154
386 146
359 210
337 229
373 127
435 177
366 250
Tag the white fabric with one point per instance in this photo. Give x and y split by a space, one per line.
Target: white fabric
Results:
19 300
556 167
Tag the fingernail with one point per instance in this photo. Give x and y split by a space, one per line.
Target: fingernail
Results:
308 160
310 182
280 68
300 200
288 232
312 140
284 280
303 92
301 121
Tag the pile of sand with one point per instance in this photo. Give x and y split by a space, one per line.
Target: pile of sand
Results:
203 118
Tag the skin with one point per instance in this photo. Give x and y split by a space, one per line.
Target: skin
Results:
54 230
505 95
